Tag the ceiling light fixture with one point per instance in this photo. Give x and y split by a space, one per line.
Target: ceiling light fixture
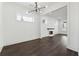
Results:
37 8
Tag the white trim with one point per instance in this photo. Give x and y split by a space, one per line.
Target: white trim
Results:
1 49
78 53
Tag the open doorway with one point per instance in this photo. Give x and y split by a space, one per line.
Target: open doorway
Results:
55 23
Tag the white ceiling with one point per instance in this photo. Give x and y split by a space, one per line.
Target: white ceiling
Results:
55 9
60 13
31 5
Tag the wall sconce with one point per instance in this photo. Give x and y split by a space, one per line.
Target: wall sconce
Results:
44 21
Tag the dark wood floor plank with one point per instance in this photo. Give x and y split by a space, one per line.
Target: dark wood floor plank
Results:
47 46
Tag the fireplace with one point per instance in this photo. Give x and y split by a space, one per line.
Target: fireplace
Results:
50 32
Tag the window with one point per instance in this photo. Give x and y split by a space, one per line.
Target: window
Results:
19 17
28 19
64 26
24 18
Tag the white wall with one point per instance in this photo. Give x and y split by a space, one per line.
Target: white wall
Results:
16 31
61 28
73 26
1 28
50 23
61 15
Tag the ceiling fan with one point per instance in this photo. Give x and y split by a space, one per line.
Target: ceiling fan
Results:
37 8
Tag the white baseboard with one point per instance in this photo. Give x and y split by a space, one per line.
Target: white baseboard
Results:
1 49
78 53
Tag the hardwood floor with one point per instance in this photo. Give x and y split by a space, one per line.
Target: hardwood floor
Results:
48 46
